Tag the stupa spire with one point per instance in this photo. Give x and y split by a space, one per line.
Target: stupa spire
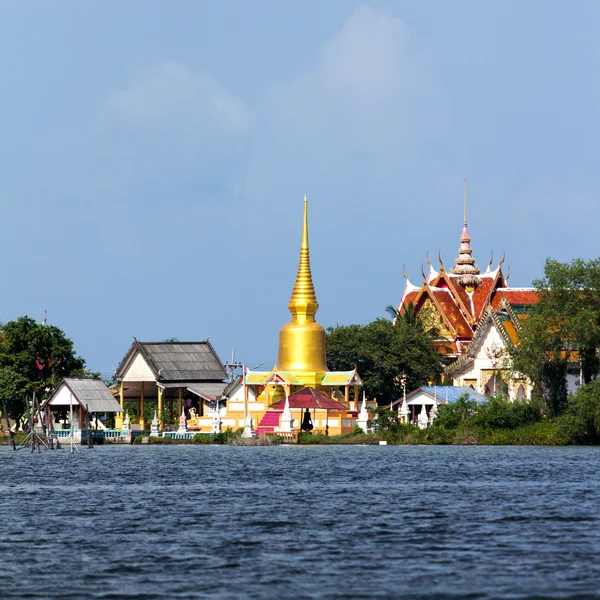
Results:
465 267
303 303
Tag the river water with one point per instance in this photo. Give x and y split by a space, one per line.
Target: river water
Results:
301 522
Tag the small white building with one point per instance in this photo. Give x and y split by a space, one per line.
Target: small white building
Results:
429 396
84 398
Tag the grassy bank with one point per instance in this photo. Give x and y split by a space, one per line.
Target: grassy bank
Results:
228 437
543 433
5 441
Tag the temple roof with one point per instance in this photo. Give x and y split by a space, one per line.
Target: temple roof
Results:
90 394
441 394
176 361
276 377
515 296
309 398
207 390
451 311
342 378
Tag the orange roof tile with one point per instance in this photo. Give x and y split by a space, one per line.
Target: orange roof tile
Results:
408 298
444 280
482 294
452 313
511 331
515 296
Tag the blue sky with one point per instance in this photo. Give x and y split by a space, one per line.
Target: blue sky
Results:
154 157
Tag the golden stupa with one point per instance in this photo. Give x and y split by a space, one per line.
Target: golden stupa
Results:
302 340
301 362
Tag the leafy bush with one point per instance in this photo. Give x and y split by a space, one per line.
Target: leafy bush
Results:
451 416
344 439
580 424
501 413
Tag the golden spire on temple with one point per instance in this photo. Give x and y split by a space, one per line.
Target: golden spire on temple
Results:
303 303
302 340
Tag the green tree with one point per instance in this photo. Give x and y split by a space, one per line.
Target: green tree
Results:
456 414
12 391
381 351
34 357
562 327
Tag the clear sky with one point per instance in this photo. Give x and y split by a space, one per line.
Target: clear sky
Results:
154 157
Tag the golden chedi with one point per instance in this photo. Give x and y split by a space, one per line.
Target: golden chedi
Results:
302 340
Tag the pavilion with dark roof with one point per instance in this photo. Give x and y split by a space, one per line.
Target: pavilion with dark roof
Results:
189 373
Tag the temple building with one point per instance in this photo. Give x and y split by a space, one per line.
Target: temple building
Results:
476 318
301 364
191 375
187 377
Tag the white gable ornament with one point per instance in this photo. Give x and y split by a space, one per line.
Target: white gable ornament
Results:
494 351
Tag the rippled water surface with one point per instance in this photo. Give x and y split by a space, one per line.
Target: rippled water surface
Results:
300 522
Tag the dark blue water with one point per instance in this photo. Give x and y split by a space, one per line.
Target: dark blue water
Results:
301 522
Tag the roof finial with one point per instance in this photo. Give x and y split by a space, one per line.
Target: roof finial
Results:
440 259
503 258
305 224
465 267
423 273
404 272
465 200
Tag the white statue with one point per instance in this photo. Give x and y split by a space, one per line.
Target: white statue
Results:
154 429
403 412
125 426
287 421
216 424
249 428
432 413
363 415
422 419
182 422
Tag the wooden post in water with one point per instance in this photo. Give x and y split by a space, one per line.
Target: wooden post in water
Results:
11 435
89 427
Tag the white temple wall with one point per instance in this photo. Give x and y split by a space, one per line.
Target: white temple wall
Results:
492 359
139 370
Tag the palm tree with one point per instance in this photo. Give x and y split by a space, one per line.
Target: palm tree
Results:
407 317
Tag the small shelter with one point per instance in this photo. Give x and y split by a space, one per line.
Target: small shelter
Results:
190 373
310 399
85 397
430 395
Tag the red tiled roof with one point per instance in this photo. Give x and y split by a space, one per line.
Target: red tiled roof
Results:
482 294
460 291
452 313
444 280
309 398
410 297
514 296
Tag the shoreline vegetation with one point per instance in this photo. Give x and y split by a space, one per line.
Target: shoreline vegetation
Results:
497 422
